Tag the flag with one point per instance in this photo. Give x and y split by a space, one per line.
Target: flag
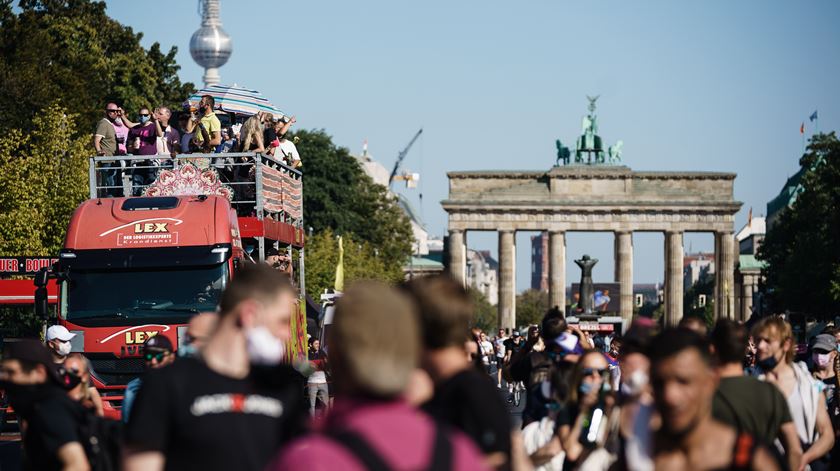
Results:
802 128
814 116
339 269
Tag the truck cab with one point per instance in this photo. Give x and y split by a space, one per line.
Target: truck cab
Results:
133 268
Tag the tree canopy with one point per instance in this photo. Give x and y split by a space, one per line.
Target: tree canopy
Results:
43 180
531 306
338 196
73 53
361 262
801 248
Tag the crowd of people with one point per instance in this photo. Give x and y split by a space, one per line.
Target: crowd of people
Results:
412 386
196 129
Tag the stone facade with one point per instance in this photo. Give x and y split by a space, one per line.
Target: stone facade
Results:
596 198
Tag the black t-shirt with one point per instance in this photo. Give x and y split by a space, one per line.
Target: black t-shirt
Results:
513 346
52 424
751 406
200 419
470 401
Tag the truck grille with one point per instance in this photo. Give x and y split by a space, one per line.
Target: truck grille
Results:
117 371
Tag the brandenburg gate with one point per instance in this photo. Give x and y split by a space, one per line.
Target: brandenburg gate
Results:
589 196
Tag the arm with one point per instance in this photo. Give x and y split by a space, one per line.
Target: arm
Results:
547 452
286 126
216 139
790 441
72 457
97 401
826 440
96 140
128 123
570 437
158 129
143 461
518 456
764 461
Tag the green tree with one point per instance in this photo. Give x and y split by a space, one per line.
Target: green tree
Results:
44 175
71 52
485 315
705 285
339 196
801 249
531 306
361 262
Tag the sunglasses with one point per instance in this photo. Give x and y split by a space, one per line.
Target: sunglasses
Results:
145 114
157 356
594 371
111 111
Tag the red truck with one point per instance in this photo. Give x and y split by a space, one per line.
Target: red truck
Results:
134 267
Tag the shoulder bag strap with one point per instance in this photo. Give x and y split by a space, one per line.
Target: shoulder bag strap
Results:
441 450
359 448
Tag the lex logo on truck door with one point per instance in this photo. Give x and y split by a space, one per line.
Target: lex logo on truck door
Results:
150 227
138 337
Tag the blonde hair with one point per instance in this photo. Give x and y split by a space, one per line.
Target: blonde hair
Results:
776 328
252 133
374 341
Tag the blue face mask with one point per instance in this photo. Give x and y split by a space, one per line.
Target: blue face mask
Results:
145 119
586 388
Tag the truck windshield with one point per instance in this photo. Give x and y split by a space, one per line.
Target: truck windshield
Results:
142 294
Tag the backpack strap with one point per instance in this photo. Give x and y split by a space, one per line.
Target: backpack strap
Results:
354 443
359 448
441 450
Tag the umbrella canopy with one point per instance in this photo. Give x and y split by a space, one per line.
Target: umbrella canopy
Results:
236 99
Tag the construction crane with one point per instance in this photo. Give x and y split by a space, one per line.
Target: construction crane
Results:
400 158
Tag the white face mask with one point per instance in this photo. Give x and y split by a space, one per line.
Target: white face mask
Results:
822 359
635 384
63 348
264 348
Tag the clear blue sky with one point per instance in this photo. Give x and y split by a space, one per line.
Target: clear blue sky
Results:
714 85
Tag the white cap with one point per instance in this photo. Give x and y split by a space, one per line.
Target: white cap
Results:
59 332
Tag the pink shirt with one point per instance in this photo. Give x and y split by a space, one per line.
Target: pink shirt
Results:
401 435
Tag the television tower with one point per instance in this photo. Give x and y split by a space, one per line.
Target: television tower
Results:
210 45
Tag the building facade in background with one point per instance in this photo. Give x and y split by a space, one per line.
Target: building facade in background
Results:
539 262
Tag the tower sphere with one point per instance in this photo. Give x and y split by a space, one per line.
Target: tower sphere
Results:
210 46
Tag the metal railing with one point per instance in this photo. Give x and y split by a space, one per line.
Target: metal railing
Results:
261 186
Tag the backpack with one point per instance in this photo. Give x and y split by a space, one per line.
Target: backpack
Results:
372 461
102 440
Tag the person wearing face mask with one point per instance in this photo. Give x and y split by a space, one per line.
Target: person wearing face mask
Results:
744 402
825 370
51 440
157 353
635 399
77 371
589 380
58 341
774 358
234 405
142 140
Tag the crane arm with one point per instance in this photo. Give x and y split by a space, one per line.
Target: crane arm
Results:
402 155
